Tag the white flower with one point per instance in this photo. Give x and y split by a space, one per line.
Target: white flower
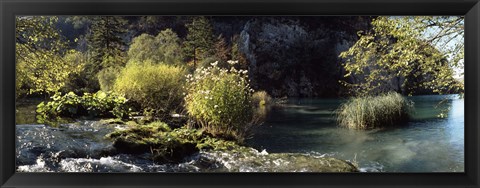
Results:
231 62
216 106
214 63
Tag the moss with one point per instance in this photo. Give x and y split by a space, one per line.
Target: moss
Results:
173 145
210 143
165 144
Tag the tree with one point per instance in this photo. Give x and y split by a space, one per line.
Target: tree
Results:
200 40
106 40
393 51
106 48
41 67
165 48
444 32
223 51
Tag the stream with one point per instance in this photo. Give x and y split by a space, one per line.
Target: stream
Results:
426 143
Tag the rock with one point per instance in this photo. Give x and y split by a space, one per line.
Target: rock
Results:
250 160
298 56
156 138
305 163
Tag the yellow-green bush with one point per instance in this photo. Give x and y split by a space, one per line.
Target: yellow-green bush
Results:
156 87
370 112
261 98
219 100
165 47
106 78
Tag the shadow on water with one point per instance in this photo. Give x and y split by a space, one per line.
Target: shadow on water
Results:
25 111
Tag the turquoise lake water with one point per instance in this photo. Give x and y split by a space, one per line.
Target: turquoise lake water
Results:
427 143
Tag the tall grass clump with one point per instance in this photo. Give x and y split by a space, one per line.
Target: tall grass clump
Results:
261 99
219 100
156 88
369 112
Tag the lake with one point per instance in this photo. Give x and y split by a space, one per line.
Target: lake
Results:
426 143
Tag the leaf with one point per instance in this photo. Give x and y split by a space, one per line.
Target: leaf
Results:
101 95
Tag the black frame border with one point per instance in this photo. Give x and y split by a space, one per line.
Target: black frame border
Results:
10 8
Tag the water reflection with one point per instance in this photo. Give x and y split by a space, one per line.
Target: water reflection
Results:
425 144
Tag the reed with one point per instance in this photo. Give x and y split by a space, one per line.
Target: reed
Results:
369 112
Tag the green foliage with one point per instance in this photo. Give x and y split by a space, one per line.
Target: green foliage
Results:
165 47
40 50
37 34
219 100
200 40
237 54
369 112
106 41
83 80
223 51
47 74
446 33
156 87
21 80
106 78
70 105
79 22
394 51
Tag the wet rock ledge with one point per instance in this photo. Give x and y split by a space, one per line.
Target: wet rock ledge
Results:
250 160
213 154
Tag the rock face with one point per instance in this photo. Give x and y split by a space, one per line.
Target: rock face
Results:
298 56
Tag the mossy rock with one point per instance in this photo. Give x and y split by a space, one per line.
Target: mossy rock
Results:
156 138
172 146
174 151
250 160
306 163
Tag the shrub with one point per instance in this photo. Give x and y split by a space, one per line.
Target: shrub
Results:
165 47
45 73
155 87
106 78
70 105
85 79
261 98
370 112
219 101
